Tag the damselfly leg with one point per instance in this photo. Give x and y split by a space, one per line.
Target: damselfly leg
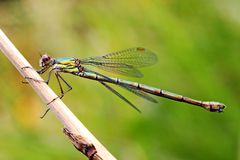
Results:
59 78
30 78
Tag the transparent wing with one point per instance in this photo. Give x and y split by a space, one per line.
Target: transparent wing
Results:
140 93
120 96
123 62
133 90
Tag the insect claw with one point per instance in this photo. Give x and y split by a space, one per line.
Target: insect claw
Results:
36 80
46 82
52 100
45 113
27 67
24 82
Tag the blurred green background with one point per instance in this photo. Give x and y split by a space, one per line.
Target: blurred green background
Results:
197 44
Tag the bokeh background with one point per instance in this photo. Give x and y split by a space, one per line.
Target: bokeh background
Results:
198 49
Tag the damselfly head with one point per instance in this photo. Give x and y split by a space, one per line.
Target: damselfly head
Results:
45 61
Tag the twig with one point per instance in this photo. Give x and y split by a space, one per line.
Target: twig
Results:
67 118
83 146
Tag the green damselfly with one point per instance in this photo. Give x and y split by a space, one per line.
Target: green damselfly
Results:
125 62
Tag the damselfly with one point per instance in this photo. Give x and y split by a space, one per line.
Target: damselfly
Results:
125 62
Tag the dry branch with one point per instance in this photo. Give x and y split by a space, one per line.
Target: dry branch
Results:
66 117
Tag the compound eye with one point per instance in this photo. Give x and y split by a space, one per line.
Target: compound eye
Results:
45 58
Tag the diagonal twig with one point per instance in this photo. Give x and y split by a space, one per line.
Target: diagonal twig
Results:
66 117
